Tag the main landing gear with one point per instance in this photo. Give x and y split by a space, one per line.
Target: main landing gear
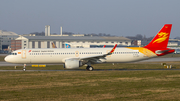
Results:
89 68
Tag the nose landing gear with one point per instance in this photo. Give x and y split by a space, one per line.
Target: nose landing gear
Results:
24 68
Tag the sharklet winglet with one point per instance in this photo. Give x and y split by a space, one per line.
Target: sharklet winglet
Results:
113 49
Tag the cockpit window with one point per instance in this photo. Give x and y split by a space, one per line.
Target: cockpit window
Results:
13 53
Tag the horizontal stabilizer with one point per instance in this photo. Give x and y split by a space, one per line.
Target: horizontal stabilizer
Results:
163 51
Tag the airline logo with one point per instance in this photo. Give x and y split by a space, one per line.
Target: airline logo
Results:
161 37
29 51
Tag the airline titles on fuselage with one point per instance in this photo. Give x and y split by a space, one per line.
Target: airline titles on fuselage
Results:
43 51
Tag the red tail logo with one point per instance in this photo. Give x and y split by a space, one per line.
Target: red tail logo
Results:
162 37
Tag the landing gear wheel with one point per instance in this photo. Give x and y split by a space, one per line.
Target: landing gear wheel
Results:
89 68
24 68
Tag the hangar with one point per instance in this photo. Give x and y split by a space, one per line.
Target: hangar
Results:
5 40
23 42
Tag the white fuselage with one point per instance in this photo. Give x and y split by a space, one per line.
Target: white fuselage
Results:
55 55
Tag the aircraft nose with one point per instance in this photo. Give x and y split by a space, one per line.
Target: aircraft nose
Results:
7 59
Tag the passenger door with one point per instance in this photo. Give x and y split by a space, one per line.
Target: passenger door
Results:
23 55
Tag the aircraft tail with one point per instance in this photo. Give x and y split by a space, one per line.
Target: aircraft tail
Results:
162 38
159 43
53 45
67 45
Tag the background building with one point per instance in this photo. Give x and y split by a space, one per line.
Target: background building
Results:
173 42
5 38
0 44
10 41
47 30
60 41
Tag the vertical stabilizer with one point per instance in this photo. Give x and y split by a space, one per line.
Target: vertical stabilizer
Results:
53 45
160 41
67 45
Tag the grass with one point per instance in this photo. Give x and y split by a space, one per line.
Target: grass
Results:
92 85
88 86
2 58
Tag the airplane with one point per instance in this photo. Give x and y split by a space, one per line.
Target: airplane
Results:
73 58
66 45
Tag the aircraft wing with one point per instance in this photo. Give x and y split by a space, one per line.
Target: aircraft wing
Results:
96 58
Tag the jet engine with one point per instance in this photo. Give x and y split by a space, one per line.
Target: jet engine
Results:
72 64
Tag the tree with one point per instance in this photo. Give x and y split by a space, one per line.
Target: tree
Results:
139 37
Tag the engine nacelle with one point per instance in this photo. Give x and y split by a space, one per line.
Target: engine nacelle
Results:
72 64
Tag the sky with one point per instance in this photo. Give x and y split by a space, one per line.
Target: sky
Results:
115 17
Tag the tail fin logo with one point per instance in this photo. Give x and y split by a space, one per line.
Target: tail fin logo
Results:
162 37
